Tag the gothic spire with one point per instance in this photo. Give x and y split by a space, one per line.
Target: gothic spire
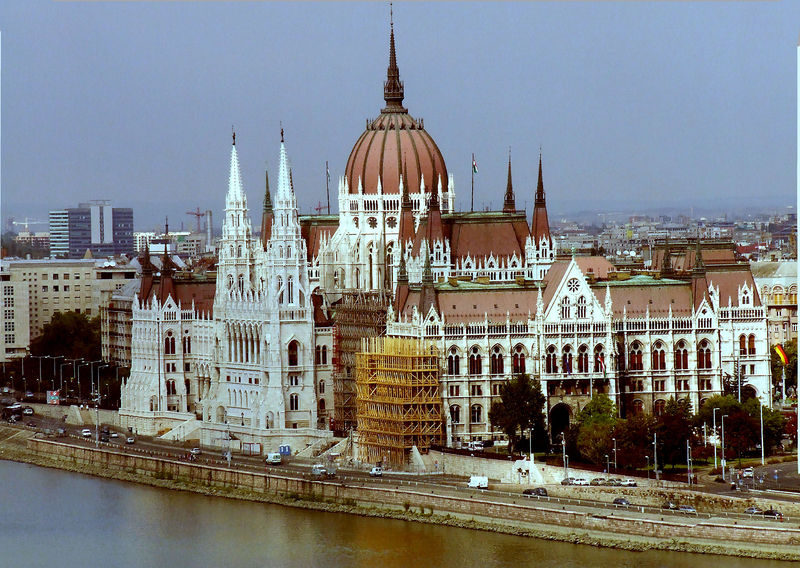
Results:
267 198
540 184
267 215
540 226
508 203
393 87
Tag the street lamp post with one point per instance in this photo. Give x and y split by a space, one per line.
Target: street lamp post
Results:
608 467
688 462
761 415
97 407
615 454
724 416
564 455
715 437
648 467
655 454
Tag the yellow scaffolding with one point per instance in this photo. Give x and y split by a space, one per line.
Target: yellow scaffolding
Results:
398 399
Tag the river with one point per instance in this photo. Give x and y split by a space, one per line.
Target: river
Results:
61 519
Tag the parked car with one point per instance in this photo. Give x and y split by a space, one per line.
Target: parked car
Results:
273 458
319 470
622 502
748 472
628 483
753 511
568 481
581 481
104 430
669 505
614 481
538 491
773 514
27 411
376 471
478 482
195 451
130 440
104 437
114 435
86 433
598 481
687 509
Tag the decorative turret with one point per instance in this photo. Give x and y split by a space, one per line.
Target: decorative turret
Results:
509 206
267 214
539 226
427 294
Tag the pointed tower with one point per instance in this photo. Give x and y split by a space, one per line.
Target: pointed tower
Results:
540 228
267 214
427 293
406 229
235 270
393 87
540 248
509 206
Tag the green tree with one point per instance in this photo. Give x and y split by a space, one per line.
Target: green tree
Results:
70 334
774 423
741 430
727 404
634 436
594 429
519 409
674 428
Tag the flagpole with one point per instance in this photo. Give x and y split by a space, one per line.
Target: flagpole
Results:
472 169
327 185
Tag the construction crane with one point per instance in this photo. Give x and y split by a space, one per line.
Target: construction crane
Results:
199 214
27 222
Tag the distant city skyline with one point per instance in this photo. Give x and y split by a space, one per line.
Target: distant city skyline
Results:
636 106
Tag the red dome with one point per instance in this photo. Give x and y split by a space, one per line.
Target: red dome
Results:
393 141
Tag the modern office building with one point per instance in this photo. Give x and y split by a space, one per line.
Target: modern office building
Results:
95 226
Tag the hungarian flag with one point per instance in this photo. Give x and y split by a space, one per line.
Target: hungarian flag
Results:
782 354
474 166
602 365
327 172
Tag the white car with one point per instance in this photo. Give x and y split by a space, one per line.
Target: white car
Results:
195 451
747 472
580 481
86 433
628 483
376 471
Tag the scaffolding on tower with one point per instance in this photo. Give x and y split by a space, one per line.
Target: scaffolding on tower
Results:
399 401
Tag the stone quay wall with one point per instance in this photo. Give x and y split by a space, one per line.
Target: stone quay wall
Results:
474 506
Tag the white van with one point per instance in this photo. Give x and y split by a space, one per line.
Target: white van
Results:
273 459
478 482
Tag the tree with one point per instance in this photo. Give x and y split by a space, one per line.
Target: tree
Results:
595 427
634 436
519 408
774 423
674 427
71 335
726 404
740 432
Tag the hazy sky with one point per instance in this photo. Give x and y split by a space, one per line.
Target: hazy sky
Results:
635 104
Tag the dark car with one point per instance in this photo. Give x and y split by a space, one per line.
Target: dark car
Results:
773 514
537 491
622 502
104 437
669 505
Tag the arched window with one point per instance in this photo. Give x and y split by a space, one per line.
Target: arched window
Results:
169 344
599 359
294 402
476 414
581 307
453 362
322 387
230 281
455 414
681 356
583 359
551 360
745 298
658 407
751 345
241 283
635 357
170 387
318 355
518 360
566 360
322 405
742 345
290 289
638 407
496 361
279 289
324 354
239 250
565 308
187 344
293 348
475 363
659 357
704 355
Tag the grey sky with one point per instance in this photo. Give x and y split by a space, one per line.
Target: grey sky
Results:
635 104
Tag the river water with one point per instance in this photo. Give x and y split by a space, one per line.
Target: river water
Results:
61 519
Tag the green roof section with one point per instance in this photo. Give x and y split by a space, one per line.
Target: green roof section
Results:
639 280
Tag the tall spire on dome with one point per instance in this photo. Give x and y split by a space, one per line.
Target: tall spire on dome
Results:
509 206
235 191
393 87
266 215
